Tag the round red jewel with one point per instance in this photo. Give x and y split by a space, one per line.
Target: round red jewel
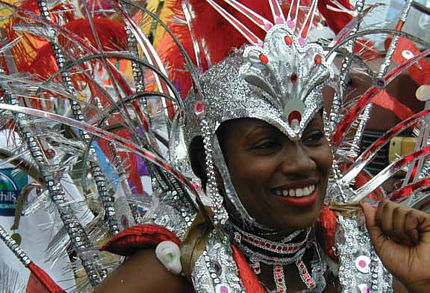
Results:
318 59
50 154
199 108
263 58
288 40
293 78
294 115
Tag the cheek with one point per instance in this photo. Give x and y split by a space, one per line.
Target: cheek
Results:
324 159
250 173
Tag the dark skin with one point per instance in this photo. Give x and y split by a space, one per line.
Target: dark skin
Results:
259 160
274 162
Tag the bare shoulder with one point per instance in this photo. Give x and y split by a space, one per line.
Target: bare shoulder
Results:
142 272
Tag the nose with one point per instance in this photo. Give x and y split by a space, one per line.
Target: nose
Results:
297 161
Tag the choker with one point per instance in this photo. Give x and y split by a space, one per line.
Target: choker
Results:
281 253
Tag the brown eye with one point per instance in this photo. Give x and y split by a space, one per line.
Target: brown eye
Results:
314 138
266 146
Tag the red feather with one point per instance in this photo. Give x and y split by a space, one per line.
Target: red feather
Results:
220 37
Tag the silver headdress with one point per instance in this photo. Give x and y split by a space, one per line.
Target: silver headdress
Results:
278 80
80 94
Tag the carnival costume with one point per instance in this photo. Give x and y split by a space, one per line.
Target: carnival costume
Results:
67 121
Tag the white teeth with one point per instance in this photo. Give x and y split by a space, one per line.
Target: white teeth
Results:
296 192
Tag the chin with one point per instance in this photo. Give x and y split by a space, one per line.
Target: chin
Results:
301 221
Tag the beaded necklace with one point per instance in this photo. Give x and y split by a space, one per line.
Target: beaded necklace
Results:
281 253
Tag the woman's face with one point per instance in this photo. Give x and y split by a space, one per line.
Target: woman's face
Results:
281 183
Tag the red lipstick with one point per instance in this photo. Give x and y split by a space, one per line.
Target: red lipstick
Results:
301 201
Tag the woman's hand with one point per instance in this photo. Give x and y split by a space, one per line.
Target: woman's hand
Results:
401 237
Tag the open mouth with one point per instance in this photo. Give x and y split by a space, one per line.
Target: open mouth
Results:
295 192
298 196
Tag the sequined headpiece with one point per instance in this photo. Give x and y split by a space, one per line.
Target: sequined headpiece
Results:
278 80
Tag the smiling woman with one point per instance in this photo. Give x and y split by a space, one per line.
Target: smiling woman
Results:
282 184
257 184
255 131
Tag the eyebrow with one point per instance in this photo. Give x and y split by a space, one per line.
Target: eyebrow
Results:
259 127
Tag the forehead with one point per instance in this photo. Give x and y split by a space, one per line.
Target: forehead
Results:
243 127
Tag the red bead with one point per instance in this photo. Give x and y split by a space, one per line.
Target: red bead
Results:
50 154
199 108
288 40
263 58
294 115
317 59
293 78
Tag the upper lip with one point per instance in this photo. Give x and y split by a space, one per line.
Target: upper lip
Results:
299 184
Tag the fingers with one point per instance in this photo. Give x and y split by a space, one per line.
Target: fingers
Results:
376 235
369 213
384 217
411 224
398 222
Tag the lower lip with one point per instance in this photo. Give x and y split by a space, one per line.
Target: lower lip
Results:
300 201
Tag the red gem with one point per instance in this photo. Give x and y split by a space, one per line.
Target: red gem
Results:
288 40
294 115
263 58
124 221
50 154
317 59
273 246
199 108
293 78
